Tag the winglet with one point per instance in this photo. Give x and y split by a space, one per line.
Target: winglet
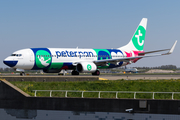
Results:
172 49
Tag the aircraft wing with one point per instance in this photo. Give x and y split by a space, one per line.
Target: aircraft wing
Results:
131 59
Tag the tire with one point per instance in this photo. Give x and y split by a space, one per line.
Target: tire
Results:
22 73
75 72
60 74
97 72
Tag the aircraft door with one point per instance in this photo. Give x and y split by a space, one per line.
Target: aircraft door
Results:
31 57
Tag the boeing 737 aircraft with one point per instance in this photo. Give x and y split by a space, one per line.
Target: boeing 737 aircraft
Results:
53 60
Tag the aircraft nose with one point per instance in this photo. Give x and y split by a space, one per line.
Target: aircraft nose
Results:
10 63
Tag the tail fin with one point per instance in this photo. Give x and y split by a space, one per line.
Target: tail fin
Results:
137 41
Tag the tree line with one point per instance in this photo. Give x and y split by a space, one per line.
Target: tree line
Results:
6 70
167 67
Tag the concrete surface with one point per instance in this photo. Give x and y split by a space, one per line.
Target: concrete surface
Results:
50 78
137 77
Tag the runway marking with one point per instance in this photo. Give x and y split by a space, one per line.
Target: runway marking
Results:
102 79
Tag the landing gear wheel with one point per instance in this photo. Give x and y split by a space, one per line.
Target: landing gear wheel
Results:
22 73
97 72
60 73
75 72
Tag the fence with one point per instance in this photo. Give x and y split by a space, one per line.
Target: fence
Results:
99 92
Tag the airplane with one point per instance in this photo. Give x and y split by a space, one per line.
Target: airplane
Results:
130 70
53 60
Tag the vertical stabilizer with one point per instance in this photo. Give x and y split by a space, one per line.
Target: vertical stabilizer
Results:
137 41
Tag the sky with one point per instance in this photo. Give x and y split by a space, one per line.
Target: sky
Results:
90 24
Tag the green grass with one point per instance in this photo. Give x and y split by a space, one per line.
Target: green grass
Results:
109 85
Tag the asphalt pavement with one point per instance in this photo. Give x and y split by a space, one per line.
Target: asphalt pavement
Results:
137 77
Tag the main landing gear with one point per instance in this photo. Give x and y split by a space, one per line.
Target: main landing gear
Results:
22 73
97 72
74 72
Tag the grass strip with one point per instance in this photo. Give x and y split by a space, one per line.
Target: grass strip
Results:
108 85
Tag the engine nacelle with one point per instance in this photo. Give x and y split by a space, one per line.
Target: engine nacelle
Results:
88 67
51 71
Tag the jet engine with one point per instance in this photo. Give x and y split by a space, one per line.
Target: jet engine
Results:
88 67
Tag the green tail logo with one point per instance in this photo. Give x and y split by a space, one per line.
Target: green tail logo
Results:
138 38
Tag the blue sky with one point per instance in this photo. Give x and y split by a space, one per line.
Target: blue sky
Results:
89 24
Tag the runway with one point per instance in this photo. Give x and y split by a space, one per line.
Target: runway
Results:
88 77
138 77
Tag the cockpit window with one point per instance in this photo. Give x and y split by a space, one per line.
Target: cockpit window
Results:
17 55
13 54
